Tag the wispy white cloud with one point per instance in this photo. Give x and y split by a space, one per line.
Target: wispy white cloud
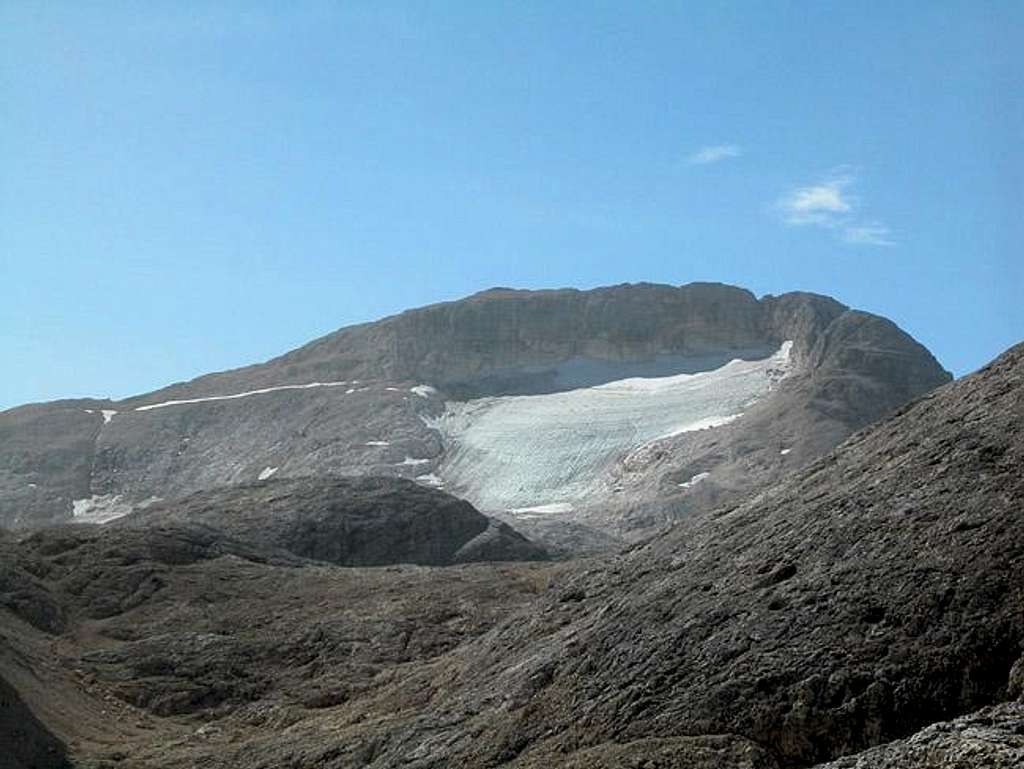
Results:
823 203
830 204
714 153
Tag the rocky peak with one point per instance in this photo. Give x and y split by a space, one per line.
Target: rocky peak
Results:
365 400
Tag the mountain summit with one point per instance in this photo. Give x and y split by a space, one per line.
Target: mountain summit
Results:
582 417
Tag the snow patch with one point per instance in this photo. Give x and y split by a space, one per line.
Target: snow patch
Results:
430 480
694 481
411 461
554 507
424 391
108 414
701 424
234 396
785 451
378 443
99 508
265 473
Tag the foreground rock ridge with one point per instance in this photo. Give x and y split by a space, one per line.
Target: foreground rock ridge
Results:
864 611
348 521
26 743
248 602
424 395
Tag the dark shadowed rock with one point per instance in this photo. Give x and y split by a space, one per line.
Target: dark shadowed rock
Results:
166 622
24 742
100 572
349 521
992 738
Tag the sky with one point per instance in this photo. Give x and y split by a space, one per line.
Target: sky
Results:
191 186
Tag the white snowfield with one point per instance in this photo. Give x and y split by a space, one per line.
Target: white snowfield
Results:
424 391
553 507
430 479
266 472
247 394
412 461
522 452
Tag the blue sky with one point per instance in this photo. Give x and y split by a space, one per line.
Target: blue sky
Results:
187 187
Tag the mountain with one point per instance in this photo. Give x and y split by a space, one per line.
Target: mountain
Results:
864 611
873 593
580 417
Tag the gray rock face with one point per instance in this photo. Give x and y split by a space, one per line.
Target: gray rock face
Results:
508 341
992 738
352 404
46 454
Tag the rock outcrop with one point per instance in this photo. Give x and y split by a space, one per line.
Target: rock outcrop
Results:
992 738
348 521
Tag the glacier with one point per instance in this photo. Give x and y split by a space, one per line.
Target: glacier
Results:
548 452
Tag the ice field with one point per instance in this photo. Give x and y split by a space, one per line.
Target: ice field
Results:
546 452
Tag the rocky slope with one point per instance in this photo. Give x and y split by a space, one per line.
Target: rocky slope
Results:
875 593
371 399
857 603
25 743
992 738
136 642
